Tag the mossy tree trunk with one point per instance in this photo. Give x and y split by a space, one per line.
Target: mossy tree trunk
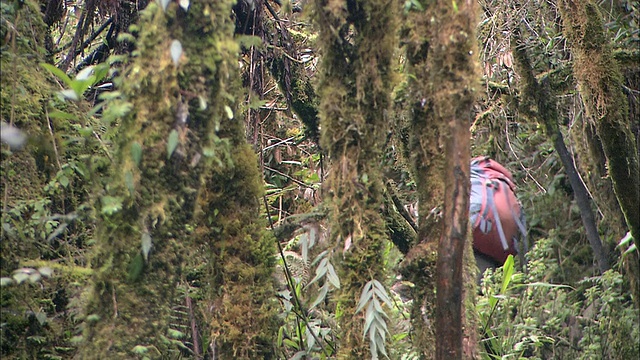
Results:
357 39
546 113
426 157
454 79
44 189
600 84
442 84
180 213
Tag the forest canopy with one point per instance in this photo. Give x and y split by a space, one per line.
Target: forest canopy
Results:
279 179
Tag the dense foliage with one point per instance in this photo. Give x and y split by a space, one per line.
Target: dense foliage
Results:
135 223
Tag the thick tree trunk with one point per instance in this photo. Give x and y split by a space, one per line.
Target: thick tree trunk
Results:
600 84
357 40
442 67
454 79
183 201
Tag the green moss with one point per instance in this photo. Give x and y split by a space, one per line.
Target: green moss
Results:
600 83
357 43
200 204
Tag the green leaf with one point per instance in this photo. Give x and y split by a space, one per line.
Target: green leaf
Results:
176 334
229 112
139 349
76 339
129 183
136 153
249 40
626 239
45 271
507 272
80 86
64 180
57 114
631 249
111 205
69 94
322 294
146 245
381 293
115 110
100 71
280 336
85 73
135 268
110 95
86 132
332 276
176 51
365 296
93 318
41 317
172 143
58 231
20 277
127 37
58 73
202 102
321 270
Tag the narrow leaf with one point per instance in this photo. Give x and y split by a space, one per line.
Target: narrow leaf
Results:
136 153
146 245
69 94
58 73
324 290
164 4
332 276
176 51
45 271
321 270
59 230
85 73
507 271
172 143
365 296
19 277
229 112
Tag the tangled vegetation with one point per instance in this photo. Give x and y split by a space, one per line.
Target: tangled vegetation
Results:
266 179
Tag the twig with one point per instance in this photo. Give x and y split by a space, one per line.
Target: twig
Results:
194 329
288 177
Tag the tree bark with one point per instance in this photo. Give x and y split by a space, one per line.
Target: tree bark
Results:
548 115
600 84
187 187
454 79
357 39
